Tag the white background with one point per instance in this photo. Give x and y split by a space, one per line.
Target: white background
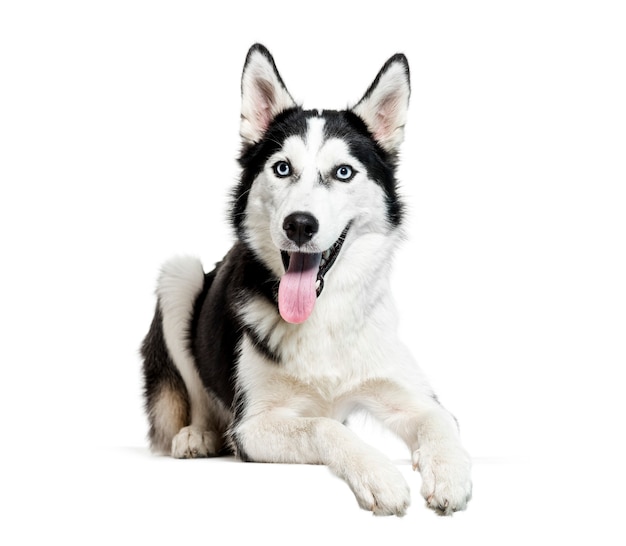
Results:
118 138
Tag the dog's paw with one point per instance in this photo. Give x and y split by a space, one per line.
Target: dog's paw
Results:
192 442
380 488
446 483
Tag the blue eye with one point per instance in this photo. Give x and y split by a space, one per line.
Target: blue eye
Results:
282 169
344 173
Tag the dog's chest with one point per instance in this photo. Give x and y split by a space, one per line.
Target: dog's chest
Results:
310 379
317 368
326 348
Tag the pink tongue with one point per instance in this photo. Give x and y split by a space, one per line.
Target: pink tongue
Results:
296 292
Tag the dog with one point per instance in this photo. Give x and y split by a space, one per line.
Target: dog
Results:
268 354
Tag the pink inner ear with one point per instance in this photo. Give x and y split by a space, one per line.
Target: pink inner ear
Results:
262 117
264 103
386 114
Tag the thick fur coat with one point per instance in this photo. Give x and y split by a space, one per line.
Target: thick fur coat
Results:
269 353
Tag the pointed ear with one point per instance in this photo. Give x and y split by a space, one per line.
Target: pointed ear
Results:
263 94
384 106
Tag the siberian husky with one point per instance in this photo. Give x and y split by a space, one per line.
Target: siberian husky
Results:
268 354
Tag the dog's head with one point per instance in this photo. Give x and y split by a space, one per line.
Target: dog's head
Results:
312 182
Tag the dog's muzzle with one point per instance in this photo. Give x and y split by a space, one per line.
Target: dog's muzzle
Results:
303 280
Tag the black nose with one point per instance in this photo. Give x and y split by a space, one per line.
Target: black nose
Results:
300 227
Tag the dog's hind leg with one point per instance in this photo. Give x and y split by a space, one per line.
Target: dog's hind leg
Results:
167 402
185 421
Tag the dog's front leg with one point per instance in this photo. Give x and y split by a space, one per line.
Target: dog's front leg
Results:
436 451
444 464
432 435
376 482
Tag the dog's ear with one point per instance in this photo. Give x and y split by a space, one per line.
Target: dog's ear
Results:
384 105
263 94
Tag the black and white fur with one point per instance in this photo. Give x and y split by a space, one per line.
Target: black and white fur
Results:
225 372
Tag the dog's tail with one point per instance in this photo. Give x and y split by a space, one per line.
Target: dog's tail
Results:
173 390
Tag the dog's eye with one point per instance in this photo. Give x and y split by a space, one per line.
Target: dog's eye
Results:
344 173
282 169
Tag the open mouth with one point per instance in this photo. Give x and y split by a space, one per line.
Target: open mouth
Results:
303 280
326 262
